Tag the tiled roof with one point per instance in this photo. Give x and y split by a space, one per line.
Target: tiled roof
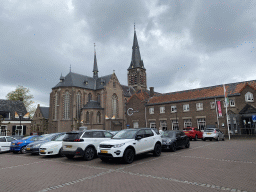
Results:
141 95
92 105
45 112
7 106
128 90
202 93
77 80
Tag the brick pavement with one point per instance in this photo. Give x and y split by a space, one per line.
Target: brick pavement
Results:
205 166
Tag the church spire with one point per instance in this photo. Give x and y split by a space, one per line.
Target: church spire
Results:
136 58
95 66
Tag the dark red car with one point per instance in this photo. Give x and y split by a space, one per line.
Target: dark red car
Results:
193 133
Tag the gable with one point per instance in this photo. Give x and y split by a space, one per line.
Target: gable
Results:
248 109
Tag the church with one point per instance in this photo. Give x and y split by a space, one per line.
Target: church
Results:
95 102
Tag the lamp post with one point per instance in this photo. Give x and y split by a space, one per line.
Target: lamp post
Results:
176 120
20 116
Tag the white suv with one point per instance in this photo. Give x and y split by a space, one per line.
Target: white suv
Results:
84 143
130 142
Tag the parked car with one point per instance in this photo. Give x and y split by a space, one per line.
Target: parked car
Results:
5 143
213 133
193 133
113 132
33 148
84 143
130 142
52 147
20 145
174 139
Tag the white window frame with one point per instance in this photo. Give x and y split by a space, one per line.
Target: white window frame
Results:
151 110
163 125
187 123
212 104
152 124
173 109
162 109
135 124
232 103
186 107
249 97
174 122
199 106
201 122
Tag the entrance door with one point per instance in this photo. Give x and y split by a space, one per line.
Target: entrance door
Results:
3 131
19 130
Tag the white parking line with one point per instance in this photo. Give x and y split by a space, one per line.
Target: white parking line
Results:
22 165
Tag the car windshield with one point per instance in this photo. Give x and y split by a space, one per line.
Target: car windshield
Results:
170 134
46 137
125 134
187 129
209 130
60 137
25 138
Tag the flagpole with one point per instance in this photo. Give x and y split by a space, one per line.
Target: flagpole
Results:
226 103
217 113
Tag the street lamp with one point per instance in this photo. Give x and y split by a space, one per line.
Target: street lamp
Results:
20 116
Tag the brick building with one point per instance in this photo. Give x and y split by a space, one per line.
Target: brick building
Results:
200 108
40 120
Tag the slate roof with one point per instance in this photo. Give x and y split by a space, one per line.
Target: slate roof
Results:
92 105
233 89
128 90
82 81
45 112
7 106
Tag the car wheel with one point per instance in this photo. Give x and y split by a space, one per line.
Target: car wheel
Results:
60 152
196 138
223 139
173 147
70 156
89 153
23 150
157 150
128 156
190 139
210 139
204 139
188 144
218 138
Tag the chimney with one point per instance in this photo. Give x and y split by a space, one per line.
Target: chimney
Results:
151 93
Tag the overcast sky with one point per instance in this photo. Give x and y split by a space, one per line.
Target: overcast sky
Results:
185 44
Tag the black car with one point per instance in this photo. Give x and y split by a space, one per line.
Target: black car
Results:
172 140
33 148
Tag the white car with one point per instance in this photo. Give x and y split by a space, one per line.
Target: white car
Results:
5 143
213 133
130 142
83 144
52 147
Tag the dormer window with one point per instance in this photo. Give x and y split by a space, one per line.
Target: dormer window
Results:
85 82
249 97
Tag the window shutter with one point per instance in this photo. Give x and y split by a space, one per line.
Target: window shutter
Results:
13 130
24 130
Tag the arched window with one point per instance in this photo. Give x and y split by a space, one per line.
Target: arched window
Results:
98 120
66 105
89 97
114 105
55 106
98 98
78 105
249 97
87 117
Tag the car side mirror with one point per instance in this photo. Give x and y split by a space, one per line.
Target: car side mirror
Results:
138 137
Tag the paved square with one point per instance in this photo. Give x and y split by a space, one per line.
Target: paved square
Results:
205 166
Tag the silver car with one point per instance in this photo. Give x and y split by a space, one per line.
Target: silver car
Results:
213 133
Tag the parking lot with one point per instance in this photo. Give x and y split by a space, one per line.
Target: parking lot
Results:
205 166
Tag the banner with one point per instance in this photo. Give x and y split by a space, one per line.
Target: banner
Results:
219 108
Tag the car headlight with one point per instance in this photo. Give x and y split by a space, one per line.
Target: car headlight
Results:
118 145
37 145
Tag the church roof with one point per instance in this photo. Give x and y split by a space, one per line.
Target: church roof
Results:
128 90
92 105
232 89
136 61
45 112
82 81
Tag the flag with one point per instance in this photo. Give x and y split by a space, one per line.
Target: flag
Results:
26 115
225 95
16 115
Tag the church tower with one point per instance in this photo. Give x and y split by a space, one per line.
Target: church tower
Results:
136 71
95 66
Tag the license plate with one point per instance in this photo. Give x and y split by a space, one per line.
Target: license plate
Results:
28 149
42 151
186 132
13 144
208 133
103 151
68 146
